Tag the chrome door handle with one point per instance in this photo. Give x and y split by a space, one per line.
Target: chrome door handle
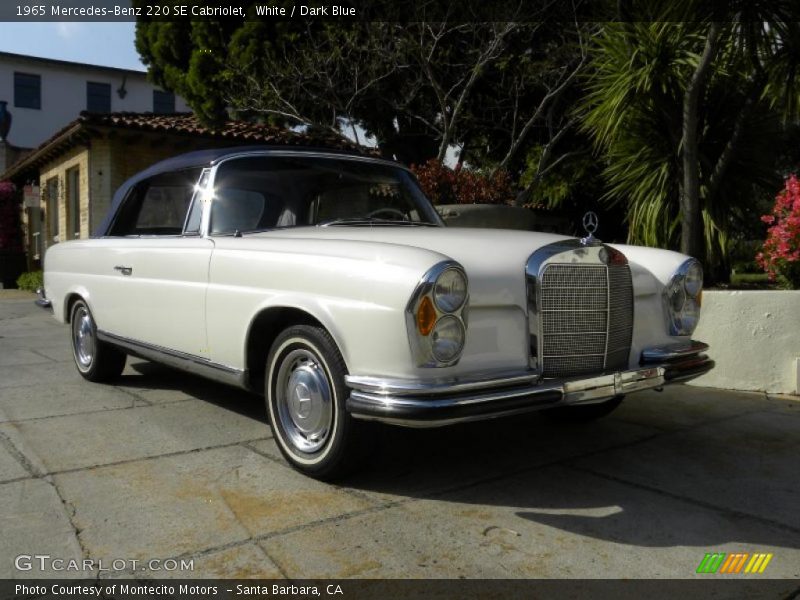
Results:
124 270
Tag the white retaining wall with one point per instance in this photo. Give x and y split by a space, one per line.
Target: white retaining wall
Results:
754 338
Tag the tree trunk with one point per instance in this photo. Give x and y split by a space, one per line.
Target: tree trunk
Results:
692 236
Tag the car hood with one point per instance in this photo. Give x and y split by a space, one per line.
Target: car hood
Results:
494 259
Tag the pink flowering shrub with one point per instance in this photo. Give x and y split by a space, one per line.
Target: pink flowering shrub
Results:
10 235
780 255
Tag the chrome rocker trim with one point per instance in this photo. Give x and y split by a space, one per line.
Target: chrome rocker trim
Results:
420 404
179 360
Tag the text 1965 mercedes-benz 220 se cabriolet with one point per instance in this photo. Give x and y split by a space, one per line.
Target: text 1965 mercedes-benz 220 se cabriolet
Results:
327 282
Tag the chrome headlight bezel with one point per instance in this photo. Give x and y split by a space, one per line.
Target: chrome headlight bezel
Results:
683 298
428 347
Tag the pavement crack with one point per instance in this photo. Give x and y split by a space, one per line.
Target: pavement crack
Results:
90 412
147 458
274 561
16 480
49 359
269 457
137 398
70 511
19 456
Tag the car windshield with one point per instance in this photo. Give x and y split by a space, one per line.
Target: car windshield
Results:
266 192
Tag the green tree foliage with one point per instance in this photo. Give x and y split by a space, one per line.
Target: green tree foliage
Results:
635 110
420 88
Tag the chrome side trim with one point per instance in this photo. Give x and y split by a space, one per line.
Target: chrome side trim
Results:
672 351
179 360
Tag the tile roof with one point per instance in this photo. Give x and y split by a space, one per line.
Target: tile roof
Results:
239 131
179 124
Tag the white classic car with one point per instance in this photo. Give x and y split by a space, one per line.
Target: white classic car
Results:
327 282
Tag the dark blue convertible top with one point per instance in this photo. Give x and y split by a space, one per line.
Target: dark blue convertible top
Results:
199 158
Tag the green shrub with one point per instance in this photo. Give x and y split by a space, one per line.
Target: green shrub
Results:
30 281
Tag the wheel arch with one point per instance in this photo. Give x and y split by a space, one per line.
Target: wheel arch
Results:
69 301
265 326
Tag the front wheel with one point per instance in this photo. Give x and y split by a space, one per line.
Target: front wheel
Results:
306 395
96 361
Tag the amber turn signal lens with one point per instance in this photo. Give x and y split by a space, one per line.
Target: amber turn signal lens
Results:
426 316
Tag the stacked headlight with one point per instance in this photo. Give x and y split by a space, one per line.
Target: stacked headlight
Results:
437 316
683 297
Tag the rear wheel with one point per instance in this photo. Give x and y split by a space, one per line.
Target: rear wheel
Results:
96 361
306 395
583 413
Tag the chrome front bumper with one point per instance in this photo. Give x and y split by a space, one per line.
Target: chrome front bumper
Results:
437 403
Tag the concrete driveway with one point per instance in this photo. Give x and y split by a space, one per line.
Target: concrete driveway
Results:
166 466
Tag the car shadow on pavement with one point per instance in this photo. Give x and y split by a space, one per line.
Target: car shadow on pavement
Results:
590 480
150 376
581 479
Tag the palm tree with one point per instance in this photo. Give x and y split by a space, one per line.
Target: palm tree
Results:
689 118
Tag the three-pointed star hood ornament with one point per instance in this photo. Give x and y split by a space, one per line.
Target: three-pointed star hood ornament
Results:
590 223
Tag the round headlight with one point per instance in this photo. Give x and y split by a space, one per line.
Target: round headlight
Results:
677 297
450 290
693 280
690 316
447 339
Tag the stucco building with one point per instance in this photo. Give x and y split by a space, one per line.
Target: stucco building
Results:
43 95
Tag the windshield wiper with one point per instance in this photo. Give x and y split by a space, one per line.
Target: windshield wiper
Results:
368 221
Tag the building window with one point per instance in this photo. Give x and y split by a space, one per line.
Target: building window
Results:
52 211
73 204
98 97
163 102
27 91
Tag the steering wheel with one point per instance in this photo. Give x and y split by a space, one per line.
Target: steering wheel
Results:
390 211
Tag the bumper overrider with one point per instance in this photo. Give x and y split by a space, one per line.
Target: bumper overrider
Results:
42 301
431 404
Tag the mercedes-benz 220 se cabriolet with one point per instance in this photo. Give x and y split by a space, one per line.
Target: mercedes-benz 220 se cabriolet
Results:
328 282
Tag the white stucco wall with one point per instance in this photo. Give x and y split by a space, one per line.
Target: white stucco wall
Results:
754 338
63 94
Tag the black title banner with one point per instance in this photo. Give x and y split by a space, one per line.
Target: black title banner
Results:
343 10
352 589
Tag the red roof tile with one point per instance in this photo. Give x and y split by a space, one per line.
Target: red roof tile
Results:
180 124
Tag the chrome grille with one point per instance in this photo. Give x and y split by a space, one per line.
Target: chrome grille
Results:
586 314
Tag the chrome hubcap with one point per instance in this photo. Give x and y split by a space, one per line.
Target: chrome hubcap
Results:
304 401
83 338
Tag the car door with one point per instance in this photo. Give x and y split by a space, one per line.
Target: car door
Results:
160 265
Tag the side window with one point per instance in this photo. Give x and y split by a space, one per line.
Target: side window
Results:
236 210
248 197
163 210
157 206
